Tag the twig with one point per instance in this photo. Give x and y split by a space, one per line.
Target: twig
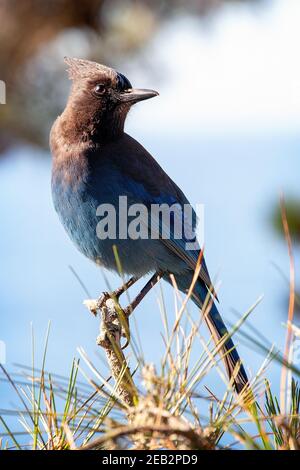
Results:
110 340
289 335
114 321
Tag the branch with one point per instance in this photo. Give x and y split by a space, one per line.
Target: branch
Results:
113 319
195 440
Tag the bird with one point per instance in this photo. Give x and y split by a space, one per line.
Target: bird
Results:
95 162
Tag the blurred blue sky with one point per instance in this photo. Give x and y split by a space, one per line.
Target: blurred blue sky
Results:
226 129
239 69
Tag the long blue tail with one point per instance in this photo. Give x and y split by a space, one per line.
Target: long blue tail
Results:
218 330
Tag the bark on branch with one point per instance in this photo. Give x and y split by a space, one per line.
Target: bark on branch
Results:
112 325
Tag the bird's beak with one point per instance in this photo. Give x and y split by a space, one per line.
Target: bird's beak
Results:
133 95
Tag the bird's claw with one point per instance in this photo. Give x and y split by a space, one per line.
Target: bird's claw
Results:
104 297
121 323
113 327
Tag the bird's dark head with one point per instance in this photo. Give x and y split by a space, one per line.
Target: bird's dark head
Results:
100 98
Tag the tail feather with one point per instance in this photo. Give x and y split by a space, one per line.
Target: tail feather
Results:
230 356
218 330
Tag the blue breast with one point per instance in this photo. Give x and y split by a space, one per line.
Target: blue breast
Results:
76 200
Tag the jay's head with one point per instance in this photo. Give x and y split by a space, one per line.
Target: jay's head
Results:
101 92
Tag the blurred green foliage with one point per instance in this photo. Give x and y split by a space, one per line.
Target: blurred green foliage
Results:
293 218
292 207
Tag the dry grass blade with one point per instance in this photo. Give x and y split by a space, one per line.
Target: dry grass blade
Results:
289 335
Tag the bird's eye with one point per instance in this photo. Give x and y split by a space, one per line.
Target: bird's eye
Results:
123 83
99 89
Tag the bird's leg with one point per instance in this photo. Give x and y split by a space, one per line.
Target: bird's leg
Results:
130 308
123 314
117 292
95 305
151 283
124 287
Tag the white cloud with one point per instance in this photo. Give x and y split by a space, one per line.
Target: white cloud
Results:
240 72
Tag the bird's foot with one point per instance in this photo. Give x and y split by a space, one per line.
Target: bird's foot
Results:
96 305
114 320
104 297
113 315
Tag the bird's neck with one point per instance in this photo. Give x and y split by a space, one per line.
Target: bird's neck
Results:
82 126
110 128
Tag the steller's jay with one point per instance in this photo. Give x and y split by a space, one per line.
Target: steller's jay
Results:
94 163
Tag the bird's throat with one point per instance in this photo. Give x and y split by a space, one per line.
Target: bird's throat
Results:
98 127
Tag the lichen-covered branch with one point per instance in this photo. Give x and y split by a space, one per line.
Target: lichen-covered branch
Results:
113 322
